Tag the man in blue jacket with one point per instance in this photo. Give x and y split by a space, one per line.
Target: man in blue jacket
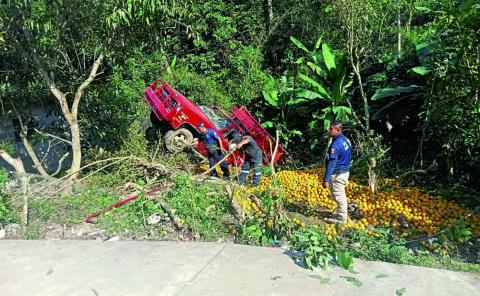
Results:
338 169
215 149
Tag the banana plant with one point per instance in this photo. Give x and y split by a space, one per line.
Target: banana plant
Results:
279 94
327 80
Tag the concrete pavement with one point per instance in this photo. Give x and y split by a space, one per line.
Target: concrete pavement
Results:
175 268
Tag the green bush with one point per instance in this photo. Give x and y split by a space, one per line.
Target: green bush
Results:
7 213
202 207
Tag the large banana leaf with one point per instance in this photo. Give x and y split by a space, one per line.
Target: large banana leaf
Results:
421 70
318 43
422 49
299 44
338 87
393 91
323 92
341 112
328 56
308 94
271 97
315 68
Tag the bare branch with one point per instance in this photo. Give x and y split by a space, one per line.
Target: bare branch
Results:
60 163
87 176
45 155
432 167
85 84
53 136
68 63
63 179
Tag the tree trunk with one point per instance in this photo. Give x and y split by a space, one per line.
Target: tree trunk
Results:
16 163
356 69
76 149
19 168
372 174
399 29
268 14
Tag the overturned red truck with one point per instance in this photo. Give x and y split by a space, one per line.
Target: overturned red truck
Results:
175 118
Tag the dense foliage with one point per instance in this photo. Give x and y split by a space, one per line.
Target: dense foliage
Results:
404 72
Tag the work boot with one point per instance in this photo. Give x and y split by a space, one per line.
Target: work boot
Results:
335 221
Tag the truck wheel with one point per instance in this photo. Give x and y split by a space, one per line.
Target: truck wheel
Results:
175 140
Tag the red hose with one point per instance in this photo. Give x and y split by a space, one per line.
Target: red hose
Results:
130 197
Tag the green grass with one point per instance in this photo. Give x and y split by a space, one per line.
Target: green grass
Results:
201 207
444 262
71 209
389 249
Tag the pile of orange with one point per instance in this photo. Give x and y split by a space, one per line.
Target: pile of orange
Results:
407 209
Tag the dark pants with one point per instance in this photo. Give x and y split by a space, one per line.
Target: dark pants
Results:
213 158
255 163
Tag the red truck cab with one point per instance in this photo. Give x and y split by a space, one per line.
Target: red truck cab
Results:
176 118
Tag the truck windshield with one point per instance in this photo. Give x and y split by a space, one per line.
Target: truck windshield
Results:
219 121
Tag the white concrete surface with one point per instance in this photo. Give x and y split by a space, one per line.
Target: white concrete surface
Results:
175 268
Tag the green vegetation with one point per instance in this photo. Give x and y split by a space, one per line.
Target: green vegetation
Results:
7 213
205 209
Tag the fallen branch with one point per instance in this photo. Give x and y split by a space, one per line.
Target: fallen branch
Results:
208 179
438 233
203 158
431 167
128 198
175 220
88 176
60 163
64 178
238 212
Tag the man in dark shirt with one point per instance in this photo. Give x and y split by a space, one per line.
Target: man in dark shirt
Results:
253 158
338 168
215 149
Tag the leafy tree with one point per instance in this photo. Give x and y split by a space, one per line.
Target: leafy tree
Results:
54 42
452 112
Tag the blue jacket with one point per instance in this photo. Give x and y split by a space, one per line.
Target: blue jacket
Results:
210 137
338 157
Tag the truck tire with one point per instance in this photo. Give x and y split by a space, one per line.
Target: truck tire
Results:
175 140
